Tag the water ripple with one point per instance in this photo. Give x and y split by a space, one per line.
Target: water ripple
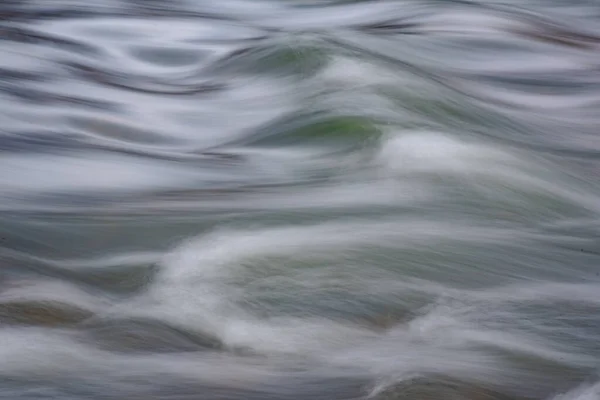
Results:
300 199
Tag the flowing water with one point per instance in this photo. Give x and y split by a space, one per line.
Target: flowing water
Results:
294 199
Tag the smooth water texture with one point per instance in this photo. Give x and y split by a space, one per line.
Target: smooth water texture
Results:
294 199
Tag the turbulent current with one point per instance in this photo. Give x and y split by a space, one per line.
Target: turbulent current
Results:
300 200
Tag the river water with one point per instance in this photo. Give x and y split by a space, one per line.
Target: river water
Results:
296 199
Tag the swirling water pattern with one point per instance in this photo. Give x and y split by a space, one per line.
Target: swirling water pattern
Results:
300 199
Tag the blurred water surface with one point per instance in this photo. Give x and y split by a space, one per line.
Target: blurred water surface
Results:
247 199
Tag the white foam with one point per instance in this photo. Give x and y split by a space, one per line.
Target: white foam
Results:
205 282
494 172
583 392
441 153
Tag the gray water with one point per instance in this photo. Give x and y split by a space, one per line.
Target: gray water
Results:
293 199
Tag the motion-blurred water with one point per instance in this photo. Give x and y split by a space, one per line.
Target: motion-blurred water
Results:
295 199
